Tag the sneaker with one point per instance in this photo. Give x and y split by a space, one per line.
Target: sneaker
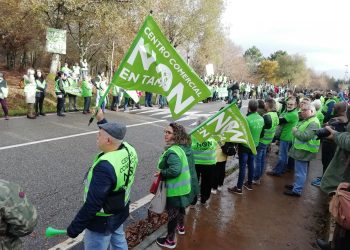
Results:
248 186
180 230
7 118
256 182
214 191
219 188
235 190
164 242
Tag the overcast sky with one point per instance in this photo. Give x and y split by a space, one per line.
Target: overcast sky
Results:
318 30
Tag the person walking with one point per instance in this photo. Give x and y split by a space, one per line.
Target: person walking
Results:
18 217
107 189
175 169
3 95
304 149
40 92
246 156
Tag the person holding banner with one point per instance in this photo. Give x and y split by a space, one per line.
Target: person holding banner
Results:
175 166
271 122
107 189
3 95
29 91
246 157
205 160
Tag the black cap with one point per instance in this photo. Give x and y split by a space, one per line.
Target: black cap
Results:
116 130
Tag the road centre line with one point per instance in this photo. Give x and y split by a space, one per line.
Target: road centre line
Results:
70 136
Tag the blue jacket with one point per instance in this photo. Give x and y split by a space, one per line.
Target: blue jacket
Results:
102 183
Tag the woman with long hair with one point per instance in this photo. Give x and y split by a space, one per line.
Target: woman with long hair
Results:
176 166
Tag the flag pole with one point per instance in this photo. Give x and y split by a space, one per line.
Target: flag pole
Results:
212 117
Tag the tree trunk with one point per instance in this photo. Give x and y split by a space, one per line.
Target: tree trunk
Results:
55 61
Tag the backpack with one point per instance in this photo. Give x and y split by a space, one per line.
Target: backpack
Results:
229 148
339 206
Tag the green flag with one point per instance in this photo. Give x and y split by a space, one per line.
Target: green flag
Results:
227 125
152 64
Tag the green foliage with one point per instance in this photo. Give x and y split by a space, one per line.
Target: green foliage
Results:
275 55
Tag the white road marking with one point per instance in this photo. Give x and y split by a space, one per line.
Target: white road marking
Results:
69 136
69 243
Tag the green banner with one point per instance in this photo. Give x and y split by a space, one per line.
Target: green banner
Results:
227 125
152 64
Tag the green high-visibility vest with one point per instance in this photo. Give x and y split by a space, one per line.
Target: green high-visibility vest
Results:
311 145
270 133
256 124
320 116
180 185
119 159
325 106
86 88
57 88
40 85
204 153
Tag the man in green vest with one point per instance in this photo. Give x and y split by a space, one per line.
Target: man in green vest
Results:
107 190
246 157
304 149
287 120
271 122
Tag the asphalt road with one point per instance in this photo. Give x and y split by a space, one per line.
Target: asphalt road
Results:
49 157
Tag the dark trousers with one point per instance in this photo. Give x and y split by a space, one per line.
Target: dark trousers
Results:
87 101
328 151
219 174
4 106
341 238
205 177
115 102
60 105
39 101
176 216
148 99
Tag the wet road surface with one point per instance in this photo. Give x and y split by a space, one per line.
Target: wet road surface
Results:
264 218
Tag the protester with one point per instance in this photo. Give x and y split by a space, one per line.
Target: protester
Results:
304 149
65 69
116 98
328 146
3 95
107 190
148 99
337 171
18 217
29 91
219 172
175 171
60 82
205 160
270 124
40 92
287 120
246 156
327 108
84 68
86 88
72 94
76 71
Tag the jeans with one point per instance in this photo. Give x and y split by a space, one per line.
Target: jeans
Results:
300 172
260 161
148 99
281 165
244 160
115 103
100 241
87 101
